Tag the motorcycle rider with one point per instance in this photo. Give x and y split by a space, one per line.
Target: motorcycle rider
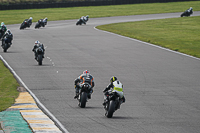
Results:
36 46
84 19
114 86
85 77
45 21
29 21
3 27
190 10
7 37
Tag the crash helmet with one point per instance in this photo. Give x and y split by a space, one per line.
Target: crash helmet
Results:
86 72
2 24
46 18
8 31
37 42
31 18
191 8
113 78
87 16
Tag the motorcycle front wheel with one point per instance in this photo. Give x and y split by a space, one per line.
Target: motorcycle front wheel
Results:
37 25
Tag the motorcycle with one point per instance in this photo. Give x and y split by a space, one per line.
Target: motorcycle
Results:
5 45
82 20
112 104
39 24
25 23
83 95
2 32
40 55
187 13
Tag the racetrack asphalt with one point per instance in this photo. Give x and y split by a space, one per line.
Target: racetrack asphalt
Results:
161 86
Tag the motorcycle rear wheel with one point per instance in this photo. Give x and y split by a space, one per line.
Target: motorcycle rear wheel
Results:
5 47
83 99
111 109
39 59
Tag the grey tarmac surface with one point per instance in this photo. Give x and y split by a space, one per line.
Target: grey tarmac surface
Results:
161 87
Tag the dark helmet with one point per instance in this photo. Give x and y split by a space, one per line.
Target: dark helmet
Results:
86 71
113 79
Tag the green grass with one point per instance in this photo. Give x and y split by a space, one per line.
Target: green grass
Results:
8 88
178 34
17 16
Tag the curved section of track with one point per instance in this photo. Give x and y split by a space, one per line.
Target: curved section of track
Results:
161 87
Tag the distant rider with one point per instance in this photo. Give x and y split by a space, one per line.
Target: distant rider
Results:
29 21
190 10
84 19
85 77
36 46
45 21
114 86
7 37
3 29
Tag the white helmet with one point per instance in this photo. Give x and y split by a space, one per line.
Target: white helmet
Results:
37 42
8 31
30 18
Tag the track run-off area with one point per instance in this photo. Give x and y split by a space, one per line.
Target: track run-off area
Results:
161 86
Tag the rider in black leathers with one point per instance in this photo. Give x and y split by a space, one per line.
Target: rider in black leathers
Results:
29 21
38 44
3 29
7 37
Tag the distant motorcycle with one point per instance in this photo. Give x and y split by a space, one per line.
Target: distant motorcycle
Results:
26 23
113 104
5 45
40 55
41 23
82 20
187 13
83 94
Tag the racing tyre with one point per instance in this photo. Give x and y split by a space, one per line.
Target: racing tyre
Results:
111 109
83 99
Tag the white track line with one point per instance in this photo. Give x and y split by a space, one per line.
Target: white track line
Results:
61 127
147 43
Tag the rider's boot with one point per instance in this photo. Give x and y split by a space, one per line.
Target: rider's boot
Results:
77 93
89 94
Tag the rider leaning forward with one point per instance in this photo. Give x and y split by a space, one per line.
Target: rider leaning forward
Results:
114 86
85 77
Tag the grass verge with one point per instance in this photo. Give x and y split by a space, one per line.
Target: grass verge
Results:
17 16
178 34
8 88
